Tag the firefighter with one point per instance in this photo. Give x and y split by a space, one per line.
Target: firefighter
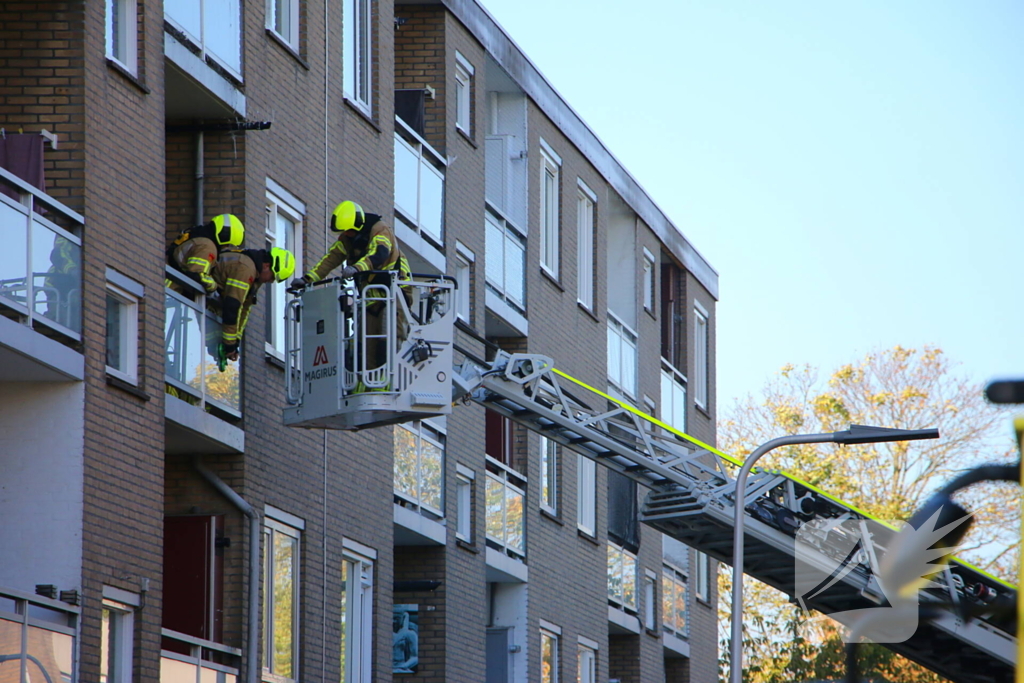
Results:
195 251
238 275
365 242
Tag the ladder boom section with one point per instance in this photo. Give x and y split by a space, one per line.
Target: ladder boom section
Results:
693 495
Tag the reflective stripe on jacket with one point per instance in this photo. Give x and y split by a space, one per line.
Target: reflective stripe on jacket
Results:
374 250
196 257
236 276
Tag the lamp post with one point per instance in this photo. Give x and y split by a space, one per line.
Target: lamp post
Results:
854 435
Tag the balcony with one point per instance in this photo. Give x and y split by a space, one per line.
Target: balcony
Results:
622 359
40 285
203 46
202 399
185 659
39 633
419 485
506 494
505 270
419 195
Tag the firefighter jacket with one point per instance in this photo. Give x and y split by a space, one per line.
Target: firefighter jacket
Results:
238 279
196 257
374 247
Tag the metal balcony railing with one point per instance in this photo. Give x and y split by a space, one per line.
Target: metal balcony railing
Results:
505 522
41 262
187 659
192 334
37 639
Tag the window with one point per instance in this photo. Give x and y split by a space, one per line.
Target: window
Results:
621 577
585 200
700 356
117 629
586 486
703 588
506 260
356 619
464 503
122 33
648 282
549 475
506 523
419 466
650 600
586 664
283 20
284 229
213 26
419 183
463 288
358 63
548 657
673 313
123 330
463 94
673 397
549 194
673 601
621 356
280 599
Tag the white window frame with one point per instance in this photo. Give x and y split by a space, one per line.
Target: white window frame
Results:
126 39
121 606
280 202
650 597
271 527
702 587
358 631
357 44
549 479
648 281
464 260
700 355
586 495
290 29
550 193
586 661
620 600
509 233
464 480
127 293
622 337
679 581
554 637
464 73
586 202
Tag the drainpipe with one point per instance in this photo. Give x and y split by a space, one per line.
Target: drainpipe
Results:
200 175
253 635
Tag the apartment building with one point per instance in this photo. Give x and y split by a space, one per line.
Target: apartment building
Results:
160 521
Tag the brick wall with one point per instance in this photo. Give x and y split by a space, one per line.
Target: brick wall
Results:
420 61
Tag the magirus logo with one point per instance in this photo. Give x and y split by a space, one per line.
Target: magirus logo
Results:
840 562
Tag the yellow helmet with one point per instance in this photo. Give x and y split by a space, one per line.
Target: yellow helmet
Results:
228 230
347 216
282 263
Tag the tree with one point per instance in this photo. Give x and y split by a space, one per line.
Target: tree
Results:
901 388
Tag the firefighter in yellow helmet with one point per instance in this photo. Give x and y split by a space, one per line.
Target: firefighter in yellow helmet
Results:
195 251
238 275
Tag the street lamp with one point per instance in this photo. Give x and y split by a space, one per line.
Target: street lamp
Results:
855 434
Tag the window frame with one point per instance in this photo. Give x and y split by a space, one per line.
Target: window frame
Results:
549 634
270 527
586 654
669 373
679 580
280 202
586 495
292 39
122 623
701 339
464 480
128 330
648 282
357 571
550 213
128 39
464 74
423 430
550 486
623 332
650 599
465 260
620 602
357 45
586 211
702 580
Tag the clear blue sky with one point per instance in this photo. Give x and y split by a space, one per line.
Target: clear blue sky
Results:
854 172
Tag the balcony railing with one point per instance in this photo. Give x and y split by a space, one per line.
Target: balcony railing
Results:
419 183
37 638
419 468
506 495
41 262
192 335
213 26
621 577
186 659
622 357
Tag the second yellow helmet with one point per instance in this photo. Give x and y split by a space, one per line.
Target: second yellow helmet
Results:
347 216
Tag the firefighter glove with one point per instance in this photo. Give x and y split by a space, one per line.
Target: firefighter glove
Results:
349 272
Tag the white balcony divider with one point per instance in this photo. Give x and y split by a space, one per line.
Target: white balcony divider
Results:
505 499
192 335
187 659
41 262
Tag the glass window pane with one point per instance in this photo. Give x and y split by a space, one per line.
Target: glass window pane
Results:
614 574
432 201
10 633
346 573
183 343
407 179
667 602
57 277
222 37
405 462
514 517
53 655
628 364
173 671
495 510
680 608
494 244
548 659
187 14
348 43
285 550
614 355
222 387
14 255
431 469
515 269
363 48
115 323
628 580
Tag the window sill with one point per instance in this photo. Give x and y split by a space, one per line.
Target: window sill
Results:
588 537
467 137
127 387
552 279
650 312
363 115
588 312
702 409
467 546
128 75
288 48
653 632
552 516
275 360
